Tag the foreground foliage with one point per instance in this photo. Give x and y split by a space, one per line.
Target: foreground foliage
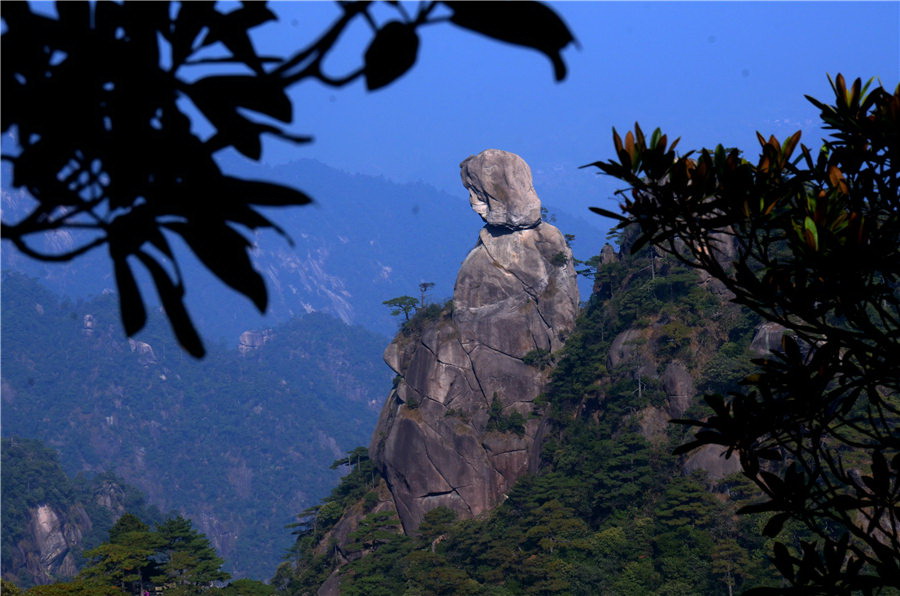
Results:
87 91
810 242
174 556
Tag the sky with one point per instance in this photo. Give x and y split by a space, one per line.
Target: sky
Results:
708 72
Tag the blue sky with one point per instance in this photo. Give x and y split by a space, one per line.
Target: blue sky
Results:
708 72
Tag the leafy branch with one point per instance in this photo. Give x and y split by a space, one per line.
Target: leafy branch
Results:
98 102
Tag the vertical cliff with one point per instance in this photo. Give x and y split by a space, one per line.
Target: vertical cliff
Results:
457 429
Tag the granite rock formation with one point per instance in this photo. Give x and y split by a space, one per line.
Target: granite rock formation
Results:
50 545
457 430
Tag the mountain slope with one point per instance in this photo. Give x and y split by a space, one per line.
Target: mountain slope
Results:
238 442
49 519
610 510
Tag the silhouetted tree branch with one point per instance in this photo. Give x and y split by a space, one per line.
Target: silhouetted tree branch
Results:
97 99
811 242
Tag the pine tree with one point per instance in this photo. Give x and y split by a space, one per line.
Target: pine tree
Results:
188 561
126 559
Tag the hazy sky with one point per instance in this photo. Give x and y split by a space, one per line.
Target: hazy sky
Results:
706 71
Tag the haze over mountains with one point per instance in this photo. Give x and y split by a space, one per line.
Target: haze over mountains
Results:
240 442
364 241
146 411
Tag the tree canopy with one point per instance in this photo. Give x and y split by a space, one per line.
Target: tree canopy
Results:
402 305
811 242
174 556
99 101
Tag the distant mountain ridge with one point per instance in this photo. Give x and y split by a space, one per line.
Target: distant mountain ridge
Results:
365 240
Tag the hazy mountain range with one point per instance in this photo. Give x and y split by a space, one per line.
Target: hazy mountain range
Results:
365 240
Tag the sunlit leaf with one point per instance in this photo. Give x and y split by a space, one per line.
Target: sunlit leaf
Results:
811 233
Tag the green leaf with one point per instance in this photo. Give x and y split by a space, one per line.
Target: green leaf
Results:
811 233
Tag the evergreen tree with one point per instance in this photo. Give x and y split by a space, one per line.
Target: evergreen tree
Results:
402 305
173 556
187 561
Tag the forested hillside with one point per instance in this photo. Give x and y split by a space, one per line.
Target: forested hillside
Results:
49 519
92 536
238 442
611 510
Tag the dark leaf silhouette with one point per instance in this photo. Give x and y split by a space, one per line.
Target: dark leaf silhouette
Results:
171 295
392 52
131 305
819 417
94 99
530 24
265 95
224 252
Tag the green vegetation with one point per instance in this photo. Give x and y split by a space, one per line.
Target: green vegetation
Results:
538 358
420 309
513 422
244 439
559 259
814 246
312 564
424 287
611 510
402 305
173 556
32 476
122 556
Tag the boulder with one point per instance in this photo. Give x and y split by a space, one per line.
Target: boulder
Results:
250 341
711 459
625 347
501 190
608 255
679 387
53 536
455 430
766 339
145 354
110 495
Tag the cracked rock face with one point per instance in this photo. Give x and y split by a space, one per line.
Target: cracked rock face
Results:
439 441
47 553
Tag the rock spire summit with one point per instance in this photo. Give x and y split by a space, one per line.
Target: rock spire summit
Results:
501 190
